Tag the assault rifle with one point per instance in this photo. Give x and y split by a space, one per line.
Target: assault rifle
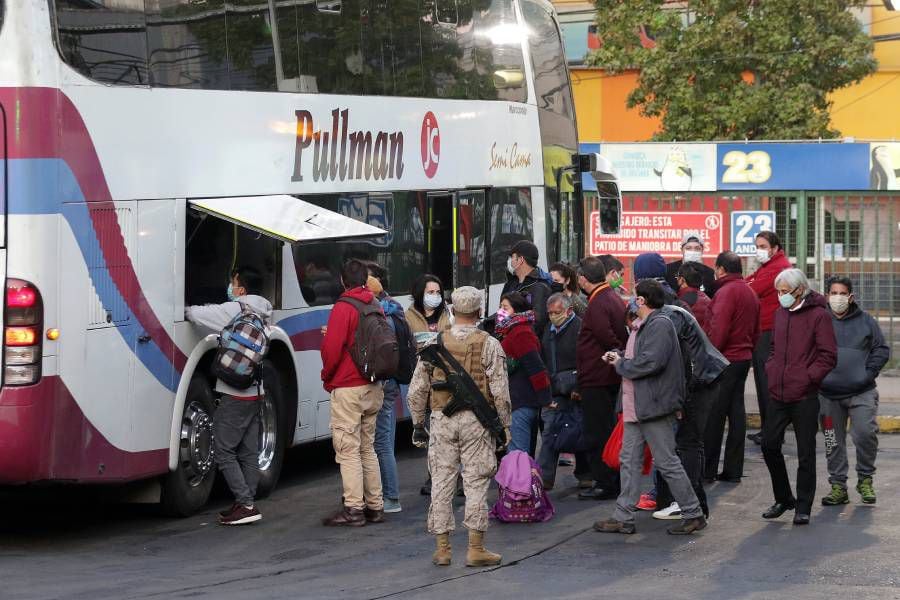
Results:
465 394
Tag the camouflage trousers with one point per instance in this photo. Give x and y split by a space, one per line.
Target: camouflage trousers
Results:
456 440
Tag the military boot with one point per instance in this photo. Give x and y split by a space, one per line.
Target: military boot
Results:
443 554
477 555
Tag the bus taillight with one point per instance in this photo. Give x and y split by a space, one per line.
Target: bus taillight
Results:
22 333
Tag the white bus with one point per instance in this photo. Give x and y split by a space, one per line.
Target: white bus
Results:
149 146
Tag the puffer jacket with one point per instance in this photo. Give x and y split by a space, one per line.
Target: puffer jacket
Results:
803 350
656 370
861 354
703 363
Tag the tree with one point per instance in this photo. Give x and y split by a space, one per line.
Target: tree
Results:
735 69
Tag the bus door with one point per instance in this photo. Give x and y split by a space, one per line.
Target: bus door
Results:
439 236
469 240
2 201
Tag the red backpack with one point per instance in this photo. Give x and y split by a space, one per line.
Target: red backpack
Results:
375 350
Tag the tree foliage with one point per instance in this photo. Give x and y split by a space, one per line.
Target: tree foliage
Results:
736 69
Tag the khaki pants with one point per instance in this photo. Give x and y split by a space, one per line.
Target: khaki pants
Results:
354 411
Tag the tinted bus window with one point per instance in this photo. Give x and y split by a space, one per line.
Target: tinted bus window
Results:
511 220
187 44
251 52
551 79
104 40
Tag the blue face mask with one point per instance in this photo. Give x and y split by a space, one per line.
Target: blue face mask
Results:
230 293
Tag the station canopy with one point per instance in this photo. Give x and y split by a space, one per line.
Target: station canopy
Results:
286 218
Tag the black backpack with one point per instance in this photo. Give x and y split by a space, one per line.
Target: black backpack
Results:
406 343
374 351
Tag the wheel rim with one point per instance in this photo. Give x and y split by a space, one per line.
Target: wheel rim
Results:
196 443
267 433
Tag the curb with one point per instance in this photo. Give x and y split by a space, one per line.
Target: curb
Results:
886 423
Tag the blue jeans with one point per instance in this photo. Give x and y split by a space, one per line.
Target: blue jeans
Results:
524 422
385 432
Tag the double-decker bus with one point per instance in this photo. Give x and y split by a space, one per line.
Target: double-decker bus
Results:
149 146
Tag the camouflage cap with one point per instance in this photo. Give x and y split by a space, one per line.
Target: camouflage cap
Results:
466 300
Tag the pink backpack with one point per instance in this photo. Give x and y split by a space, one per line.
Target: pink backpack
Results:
522 497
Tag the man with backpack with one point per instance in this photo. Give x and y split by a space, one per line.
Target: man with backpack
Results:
356 345
236 421
475 361
386 424
526 278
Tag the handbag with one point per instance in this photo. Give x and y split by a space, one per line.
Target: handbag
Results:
568 431
562 383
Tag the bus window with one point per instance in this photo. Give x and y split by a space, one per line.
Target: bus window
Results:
510 221
440 237
214 247
105 40
187 44
251 53
469 255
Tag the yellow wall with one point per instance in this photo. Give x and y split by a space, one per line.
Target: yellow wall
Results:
867 110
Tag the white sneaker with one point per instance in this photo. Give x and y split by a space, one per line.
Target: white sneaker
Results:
672 513
392 506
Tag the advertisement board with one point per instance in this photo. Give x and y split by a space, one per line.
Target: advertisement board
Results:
884 165
663 167
659 232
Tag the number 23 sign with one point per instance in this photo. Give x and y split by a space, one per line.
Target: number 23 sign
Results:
746 225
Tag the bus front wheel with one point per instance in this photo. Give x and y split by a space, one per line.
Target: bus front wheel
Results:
186 489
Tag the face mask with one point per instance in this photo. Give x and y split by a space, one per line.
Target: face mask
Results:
762 256
693 256
559 318
839 304
617 282
787 300
509 266
502 315
432 301
230 293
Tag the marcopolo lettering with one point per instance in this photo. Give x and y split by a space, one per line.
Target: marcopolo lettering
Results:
342 154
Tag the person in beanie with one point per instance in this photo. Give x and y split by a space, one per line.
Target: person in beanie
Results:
461 439
849 392
651 265
526 278
692 250
803 353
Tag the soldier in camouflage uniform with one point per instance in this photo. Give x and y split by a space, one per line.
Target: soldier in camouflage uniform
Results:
461 439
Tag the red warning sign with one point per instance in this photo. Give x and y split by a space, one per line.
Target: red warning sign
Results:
659 232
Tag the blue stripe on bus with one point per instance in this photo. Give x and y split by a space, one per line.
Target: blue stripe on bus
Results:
39 187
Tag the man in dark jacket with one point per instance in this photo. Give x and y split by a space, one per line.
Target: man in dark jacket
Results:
849 391
803 353
655 376
526 278
692 249
558 348
703 365
733 328
602 330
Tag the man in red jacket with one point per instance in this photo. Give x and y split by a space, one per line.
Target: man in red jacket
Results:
689 280
772 261
602 331
733 328
355 403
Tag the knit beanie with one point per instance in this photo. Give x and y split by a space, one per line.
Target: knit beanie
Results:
649 266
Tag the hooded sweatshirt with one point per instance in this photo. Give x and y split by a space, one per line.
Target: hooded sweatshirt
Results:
862 353
338 368
803 350
215 317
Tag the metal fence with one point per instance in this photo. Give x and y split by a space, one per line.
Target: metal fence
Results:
829 233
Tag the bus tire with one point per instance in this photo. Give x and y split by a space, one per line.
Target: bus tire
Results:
274 430
186 489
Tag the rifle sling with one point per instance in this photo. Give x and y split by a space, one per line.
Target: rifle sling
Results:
462 373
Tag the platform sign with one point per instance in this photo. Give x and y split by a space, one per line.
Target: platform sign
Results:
659 232
746 225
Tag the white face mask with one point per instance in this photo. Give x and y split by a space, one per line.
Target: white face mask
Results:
432 301
509 266
762 256
839 304
693 256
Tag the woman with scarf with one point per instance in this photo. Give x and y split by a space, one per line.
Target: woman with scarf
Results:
529 383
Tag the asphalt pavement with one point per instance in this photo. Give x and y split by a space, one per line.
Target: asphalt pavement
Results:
73 543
